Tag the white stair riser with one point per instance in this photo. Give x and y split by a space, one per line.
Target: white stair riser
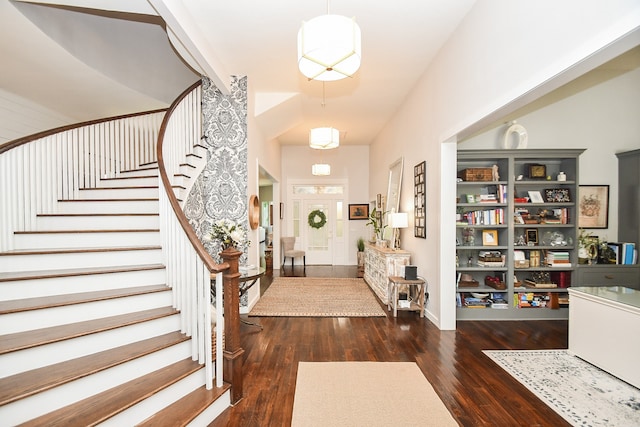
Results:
33 288
180 180
54 316
142 181
51 400
180 194
206 417
108 206
143 410
37 262
86 240
119 222
49 354
149 170
118 193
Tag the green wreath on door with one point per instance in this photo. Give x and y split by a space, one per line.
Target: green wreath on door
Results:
317 219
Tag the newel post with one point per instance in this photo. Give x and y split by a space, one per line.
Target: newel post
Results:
233 353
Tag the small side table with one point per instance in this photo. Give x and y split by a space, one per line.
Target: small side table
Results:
395 282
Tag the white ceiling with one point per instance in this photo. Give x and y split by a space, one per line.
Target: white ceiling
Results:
257 39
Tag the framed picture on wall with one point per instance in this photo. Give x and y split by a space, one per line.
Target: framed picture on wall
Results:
593 206
419 202
359 211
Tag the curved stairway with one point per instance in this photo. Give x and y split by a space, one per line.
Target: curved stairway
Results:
88 334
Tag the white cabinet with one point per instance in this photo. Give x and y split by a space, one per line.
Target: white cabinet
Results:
379 264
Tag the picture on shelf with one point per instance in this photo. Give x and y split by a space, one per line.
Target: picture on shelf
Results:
532 236
554 195
535 197
490 237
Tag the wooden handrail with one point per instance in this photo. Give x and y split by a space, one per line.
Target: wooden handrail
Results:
209 262
29 138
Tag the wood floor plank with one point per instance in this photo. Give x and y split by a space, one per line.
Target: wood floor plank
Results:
475 390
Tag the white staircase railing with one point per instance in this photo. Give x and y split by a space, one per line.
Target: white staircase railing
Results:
189 266
39 170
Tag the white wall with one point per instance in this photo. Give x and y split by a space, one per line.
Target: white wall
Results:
601 118
502 50
349 162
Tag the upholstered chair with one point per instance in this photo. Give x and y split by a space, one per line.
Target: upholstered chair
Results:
289 251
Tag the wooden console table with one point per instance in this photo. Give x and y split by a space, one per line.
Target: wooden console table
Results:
379 264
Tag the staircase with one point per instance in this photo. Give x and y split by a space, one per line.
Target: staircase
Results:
88 334
93 329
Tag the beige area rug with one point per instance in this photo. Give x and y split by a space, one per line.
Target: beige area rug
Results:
318 297
366 394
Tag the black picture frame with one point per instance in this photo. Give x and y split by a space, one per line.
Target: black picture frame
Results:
593 206
531 236
557 195
358 211
420 200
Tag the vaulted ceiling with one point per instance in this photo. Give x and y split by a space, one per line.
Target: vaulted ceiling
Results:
88 64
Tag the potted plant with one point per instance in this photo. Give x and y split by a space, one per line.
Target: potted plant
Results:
376 220
588 247
360 245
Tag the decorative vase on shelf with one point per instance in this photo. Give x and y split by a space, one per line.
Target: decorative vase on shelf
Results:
382 243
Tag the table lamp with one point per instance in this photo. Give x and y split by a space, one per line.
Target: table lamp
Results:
396 222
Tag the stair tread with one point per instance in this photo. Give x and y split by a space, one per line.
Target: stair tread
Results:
28 383
76 215
183 411
107 230
138 199
102 406
133 187
22 340
76 250
127 177
45 274
26 304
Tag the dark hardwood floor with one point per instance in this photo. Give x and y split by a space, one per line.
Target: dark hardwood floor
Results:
475 390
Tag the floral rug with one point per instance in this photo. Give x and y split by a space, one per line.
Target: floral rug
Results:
581 393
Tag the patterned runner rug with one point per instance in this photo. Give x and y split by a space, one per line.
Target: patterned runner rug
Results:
318 297
581 393
368 394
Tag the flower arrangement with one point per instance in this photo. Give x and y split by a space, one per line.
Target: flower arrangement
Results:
230 234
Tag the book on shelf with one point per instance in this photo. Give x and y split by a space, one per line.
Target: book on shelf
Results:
625 253
558 259
485 217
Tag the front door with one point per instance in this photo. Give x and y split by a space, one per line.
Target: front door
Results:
318 237
324 240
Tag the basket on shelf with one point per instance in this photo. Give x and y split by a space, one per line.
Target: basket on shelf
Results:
495 283
476 174
467 281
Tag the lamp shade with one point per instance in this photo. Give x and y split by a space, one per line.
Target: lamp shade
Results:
321 169
324 138
329 48
399 220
